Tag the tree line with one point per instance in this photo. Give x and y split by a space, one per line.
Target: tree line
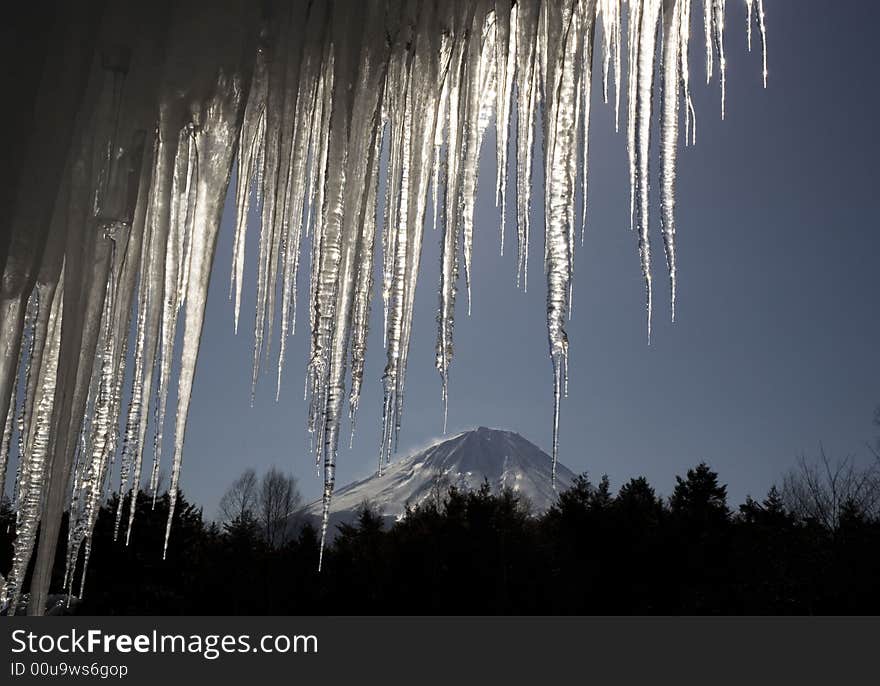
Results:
811 546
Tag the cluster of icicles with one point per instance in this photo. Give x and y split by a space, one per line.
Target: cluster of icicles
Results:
302 98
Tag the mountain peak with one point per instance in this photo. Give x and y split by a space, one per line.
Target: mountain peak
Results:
465 460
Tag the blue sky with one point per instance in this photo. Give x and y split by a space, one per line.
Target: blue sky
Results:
775 345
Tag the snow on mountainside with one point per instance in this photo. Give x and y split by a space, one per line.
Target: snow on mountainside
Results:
503 458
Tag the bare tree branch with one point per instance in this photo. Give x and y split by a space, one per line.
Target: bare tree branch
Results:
279 500
821 490
240 498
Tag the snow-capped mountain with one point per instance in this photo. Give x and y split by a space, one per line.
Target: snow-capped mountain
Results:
503 458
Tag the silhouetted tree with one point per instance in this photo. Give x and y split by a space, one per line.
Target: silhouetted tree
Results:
699 498
818 491
278 501
637 503
601 497
698 540
240 499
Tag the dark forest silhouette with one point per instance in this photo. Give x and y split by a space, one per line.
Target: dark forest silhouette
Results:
479 552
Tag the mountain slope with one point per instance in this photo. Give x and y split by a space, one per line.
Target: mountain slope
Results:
503 458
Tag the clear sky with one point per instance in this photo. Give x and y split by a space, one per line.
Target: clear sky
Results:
775 347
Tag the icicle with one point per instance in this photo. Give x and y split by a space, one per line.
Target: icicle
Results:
634 27
307 113
585 79
763 40
610 12
345 222
479 105
37 451
672 10
132 448
708 25
9 424
183 206
690 116
421 116
641 86
325 264
214 140
400 236
273 206
91 469
750 8
718 9
392 182
561 144
5 442
505 46
257 102
363 289
526 46
448 221
250 151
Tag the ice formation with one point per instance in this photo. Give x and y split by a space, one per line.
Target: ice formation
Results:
141 112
